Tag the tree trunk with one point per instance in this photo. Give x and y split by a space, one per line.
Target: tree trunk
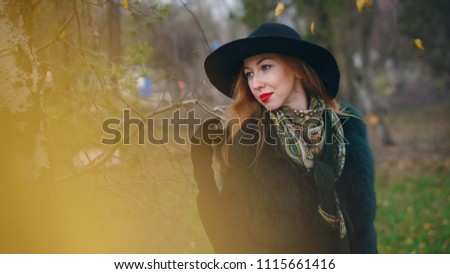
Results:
24 159
363 80
114 31
21 97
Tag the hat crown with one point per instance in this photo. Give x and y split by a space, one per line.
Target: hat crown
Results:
276 30
223 65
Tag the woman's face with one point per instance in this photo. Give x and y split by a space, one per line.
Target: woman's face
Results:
273 83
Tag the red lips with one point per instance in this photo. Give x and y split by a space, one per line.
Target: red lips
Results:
265 96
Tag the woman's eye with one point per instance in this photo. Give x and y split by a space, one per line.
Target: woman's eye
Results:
265 67
248 75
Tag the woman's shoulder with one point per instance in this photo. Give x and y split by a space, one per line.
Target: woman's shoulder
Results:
358 151
352 121
350 109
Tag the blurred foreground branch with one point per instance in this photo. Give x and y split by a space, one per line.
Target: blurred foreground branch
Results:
107 154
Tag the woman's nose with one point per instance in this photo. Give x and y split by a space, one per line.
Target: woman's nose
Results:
256 82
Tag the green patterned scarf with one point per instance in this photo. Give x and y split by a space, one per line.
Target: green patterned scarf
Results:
303 135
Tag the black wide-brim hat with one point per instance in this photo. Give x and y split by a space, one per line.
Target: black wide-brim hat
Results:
223 64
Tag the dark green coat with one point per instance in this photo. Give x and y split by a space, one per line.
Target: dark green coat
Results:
270 206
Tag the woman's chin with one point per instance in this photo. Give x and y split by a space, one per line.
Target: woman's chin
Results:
271 105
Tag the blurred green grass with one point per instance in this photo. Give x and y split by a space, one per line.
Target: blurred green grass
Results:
413 182
413 214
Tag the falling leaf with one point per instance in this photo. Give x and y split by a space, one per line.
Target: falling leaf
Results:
360 5
125 3
312 27
419 44
279 9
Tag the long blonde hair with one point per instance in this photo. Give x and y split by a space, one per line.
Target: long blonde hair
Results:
246 106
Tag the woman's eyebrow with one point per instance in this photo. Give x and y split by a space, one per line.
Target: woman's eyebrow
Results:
261 60
258 62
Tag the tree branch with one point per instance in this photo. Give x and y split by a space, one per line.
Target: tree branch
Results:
198 25
58 35
108 154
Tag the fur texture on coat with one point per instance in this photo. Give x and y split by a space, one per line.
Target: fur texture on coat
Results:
271 205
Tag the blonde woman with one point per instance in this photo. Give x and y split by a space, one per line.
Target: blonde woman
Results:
299 171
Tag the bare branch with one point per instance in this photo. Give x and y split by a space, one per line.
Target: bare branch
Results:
108 154
198 24
58 35
95 162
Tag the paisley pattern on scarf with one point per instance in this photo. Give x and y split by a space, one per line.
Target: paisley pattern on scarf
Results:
302 133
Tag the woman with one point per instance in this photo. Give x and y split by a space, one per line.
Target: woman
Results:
299 171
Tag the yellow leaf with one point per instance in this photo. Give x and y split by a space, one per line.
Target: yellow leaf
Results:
360 5
125 3
279 9
419 44
312 27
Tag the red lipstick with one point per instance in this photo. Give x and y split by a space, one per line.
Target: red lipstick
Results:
265 96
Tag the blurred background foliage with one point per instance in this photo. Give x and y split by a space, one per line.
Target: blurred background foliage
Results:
67 66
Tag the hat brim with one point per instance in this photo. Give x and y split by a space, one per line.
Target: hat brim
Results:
223 65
